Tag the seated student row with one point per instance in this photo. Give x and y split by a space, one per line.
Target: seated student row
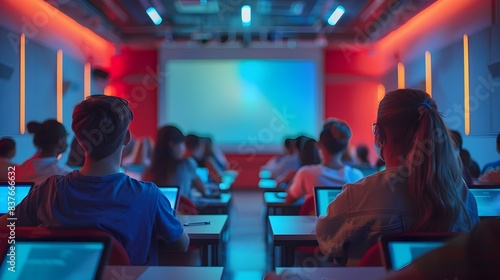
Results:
99 196
421 190
435 179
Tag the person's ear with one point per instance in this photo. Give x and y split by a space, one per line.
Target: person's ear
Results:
379 138
127 139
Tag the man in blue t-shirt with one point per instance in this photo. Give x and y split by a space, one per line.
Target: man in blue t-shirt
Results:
136 213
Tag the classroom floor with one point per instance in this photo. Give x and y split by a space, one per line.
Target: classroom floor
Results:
246 250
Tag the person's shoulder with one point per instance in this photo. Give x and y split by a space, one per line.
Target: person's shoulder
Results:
353 172
189 162
490 177
375 180
310 169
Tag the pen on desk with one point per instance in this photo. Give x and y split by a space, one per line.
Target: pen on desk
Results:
197 223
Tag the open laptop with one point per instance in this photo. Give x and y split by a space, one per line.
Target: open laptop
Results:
488 200
399 250
172 193
227 179
56 258
20 192
203 173
323 196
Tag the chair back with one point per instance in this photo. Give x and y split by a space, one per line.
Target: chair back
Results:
117 256
187 206
307 208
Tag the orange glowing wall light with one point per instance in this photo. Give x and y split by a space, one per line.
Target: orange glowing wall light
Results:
59 86
56 30
401 75
86 80
466 86
380 92
22 84
439 25
428 73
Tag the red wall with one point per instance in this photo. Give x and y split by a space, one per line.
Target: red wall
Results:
133 77
351 93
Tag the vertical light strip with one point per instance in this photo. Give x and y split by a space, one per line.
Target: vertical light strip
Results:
466 86
22 84
86 81
380 92
428 73
401 75
59 85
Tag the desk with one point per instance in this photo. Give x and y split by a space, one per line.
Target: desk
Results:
276 205
337 273
213 205
162 272
290 231
208 237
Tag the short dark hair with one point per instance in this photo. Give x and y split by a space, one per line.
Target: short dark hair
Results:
7 145
335 135
100 124
46 134
362 153
192 141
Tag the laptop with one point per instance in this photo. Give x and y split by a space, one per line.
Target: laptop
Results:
172 193
323 196
20 191
227 179
56 258
399 250
488 200
203 173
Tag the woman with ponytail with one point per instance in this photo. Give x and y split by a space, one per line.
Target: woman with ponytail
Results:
50 141
421 190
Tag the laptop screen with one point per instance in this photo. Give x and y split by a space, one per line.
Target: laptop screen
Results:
203 173
402 253
323 196
20 192
399 250
172 193
54 259
488 200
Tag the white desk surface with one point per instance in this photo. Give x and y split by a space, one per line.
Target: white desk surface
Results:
293 227
162 272
327 273
207 232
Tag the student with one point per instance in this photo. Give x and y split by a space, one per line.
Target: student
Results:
457 145
170 167
470 167
99 196
7 152
490 177
495 164
288 149
362 156
421 190
76 156
50 138
333 141
288 162
308 155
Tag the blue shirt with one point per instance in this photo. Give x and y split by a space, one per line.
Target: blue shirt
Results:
134 212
